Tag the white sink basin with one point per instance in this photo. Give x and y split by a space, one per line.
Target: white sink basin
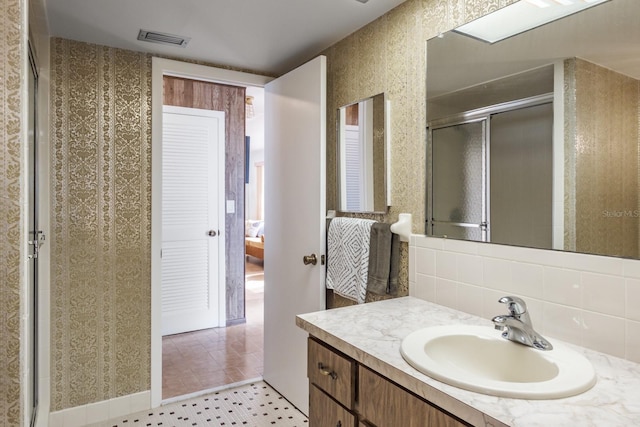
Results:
477 358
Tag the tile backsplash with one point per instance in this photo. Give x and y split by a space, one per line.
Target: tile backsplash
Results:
588 300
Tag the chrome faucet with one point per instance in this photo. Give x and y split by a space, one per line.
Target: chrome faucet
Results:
517 325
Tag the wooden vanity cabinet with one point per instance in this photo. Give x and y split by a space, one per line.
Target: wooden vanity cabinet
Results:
326 412
332 388
343 393
383 403
333 372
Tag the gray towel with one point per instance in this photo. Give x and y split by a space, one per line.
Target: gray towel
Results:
384 255
394 270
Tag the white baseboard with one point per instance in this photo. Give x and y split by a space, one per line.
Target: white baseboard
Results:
209 391
101 411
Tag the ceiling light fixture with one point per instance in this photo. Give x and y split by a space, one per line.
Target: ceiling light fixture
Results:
522 16
163 38
362 1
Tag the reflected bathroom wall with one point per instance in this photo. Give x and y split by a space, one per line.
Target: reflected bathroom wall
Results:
602 215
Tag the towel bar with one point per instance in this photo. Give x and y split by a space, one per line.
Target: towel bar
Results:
402 227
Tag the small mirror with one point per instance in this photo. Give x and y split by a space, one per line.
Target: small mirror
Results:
362 156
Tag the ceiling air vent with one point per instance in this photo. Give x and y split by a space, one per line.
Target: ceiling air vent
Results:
163 38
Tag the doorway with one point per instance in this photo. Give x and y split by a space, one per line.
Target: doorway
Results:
234 208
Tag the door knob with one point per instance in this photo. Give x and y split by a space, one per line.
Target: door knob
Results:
310 259
212 233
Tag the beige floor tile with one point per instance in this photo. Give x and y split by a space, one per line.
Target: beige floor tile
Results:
211 358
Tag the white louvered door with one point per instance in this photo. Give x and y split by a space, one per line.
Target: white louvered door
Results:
353 197
192 220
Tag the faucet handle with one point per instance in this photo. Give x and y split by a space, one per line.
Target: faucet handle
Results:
515 305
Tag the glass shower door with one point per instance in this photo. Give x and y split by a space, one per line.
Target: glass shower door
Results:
458 201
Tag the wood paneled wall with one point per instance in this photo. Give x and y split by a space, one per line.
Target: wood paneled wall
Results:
230 99
351 113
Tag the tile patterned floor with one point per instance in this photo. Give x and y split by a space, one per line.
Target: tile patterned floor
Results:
211 358
255 405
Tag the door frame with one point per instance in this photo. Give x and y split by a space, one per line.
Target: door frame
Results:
32 326
160 68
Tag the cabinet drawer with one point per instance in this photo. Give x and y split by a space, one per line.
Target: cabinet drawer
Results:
332 372
325 412
383 403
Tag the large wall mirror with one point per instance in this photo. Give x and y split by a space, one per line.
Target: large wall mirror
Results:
533 140
363 155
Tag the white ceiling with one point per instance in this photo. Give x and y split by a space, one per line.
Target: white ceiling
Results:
268 36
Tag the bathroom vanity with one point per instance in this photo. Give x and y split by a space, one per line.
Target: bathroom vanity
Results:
334 378
357 377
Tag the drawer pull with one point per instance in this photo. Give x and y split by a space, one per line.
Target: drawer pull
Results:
326 372
339 424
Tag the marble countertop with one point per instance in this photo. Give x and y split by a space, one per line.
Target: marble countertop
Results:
372 333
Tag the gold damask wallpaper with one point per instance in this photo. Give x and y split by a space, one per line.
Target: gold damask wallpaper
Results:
13 53
101 161
602 147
